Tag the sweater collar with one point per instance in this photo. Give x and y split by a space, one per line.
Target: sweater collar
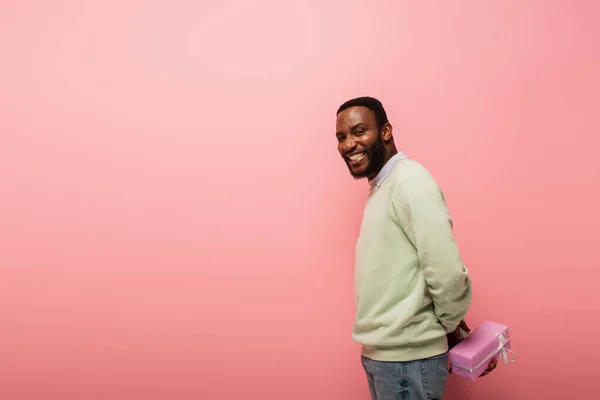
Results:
387 169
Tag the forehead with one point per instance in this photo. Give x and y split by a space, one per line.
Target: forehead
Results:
353 116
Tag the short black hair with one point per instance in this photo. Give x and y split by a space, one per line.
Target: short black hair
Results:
372 104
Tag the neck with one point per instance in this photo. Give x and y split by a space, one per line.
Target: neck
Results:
388 154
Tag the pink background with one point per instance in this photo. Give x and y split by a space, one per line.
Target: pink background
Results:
175 222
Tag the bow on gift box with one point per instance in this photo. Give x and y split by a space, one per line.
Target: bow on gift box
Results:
502 342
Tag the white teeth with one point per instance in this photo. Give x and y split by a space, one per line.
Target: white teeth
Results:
356 157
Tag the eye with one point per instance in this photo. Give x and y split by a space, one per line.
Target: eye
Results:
360 132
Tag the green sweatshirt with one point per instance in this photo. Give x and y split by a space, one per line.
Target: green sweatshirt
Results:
411 286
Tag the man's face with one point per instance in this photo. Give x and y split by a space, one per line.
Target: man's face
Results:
360 142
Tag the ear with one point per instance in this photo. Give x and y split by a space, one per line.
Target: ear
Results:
386 132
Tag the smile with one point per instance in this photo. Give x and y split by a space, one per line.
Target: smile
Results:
356 156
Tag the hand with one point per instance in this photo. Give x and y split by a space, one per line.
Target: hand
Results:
490 368
454 338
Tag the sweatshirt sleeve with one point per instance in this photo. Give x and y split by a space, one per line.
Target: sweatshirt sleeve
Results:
421 210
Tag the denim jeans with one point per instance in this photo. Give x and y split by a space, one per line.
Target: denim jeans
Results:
414 380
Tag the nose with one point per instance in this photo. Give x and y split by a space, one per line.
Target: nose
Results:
348 144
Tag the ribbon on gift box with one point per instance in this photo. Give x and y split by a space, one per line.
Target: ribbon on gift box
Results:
502 342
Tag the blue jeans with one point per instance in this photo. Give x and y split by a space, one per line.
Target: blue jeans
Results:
415 380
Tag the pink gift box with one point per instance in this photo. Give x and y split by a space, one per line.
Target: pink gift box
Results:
471 357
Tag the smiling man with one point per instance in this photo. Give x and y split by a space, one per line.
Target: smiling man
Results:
412 290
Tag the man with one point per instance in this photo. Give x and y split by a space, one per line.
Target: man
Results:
412 289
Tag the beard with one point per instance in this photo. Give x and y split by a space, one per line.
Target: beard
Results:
375 156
